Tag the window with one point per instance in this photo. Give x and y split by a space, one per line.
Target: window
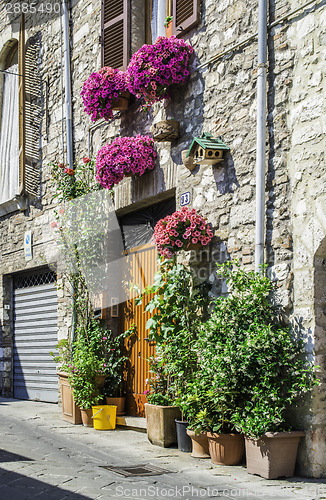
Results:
9 137
127 24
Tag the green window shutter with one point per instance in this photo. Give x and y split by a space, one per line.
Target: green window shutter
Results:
115 33
33 116
186 15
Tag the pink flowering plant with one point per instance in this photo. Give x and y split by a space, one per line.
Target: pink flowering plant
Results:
154 68
101 90
180 231
124 156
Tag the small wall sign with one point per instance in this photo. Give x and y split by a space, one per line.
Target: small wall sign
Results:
185 199
28 245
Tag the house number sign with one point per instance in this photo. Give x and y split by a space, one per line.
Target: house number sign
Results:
185 199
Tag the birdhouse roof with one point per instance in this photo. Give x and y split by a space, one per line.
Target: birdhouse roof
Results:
206 141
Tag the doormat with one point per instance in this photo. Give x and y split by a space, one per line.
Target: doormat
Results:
137 470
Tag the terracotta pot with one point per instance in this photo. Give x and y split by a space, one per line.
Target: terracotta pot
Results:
199 445
86 416
70 411
169 30
161 429
119 403
225 449
273 454
122 102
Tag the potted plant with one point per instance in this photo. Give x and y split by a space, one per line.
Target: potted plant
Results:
103 92
192 400
123 157
178 305
70 410
168 24
160 411
255 368
91 354
185 229
115 362
154 68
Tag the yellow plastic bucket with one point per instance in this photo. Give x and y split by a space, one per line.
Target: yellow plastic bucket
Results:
104 417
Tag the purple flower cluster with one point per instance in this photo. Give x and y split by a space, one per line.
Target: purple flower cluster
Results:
155 67
100 91
125 155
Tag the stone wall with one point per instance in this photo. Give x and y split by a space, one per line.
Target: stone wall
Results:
306 110
220 98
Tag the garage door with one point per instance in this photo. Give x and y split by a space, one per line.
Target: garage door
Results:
35 335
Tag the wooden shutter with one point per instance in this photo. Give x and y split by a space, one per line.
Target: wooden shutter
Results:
21 71
115 33
33 115
186 15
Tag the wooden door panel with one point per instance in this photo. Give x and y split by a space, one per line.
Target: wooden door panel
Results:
141 267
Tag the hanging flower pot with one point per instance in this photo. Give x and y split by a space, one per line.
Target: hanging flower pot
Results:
122 102
123 157
181 231
154 68
102 92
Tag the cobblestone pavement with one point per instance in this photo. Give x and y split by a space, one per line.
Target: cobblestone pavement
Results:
43 457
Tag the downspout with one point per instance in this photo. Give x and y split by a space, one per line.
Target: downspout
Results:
66 55
70 157
261 134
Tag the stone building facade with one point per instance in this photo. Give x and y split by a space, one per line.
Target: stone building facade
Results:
220 98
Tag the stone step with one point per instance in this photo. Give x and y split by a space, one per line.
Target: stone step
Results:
135 423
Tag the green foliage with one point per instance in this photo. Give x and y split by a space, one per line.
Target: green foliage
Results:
73 182
251 368
96 352
178 307
63 355
167 21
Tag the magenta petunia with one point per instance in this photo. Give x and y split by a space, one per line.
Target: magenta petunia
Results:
154 68
100 91
181 229
124 156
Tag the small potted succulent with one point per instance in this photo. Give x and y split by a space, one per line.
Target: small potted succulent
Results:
124 156
154 68
185 229
103 92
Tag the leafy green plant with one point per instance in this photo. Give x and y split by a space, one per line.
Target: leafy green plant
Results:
96 352
251 366
167 21
63 355
178 307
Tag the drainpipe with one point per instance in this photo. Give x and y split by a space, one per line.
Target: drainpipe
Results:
70 156
66 55
261 134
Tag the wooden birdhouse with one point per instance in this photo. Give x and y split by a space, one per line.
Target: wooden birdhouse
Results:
206 150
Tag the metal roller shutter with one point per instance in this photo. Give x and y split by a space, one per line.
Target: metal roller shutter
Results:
35 335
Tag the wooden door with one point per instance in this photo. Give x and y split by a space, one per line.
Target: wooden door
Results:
141 267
